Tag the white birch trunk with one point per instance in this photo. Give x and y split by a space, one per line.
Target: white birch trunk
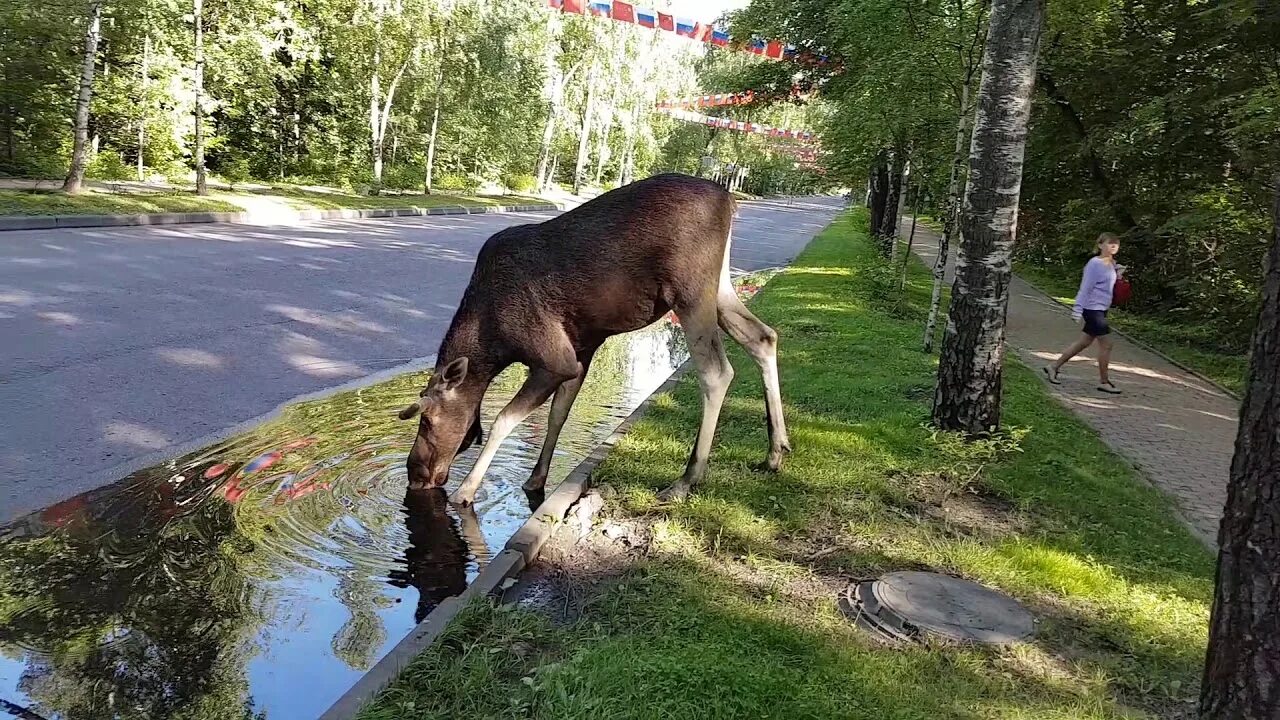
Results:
970 371
80 145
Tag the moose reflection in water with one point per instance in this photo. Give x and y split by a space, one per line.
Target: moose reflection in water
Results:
439 550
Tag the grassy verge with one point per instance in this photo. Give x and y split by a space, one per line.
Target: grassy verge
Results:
41 202
1191 345
303 199
730 612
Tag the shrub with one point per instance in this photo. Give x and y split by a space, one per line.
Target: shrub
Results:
519 183
109 165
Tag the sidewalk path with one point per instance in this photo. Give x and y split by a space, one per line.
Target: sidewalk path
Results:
1178 429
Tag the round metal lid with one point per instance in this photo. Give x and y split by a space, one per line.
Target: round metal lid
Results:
953 608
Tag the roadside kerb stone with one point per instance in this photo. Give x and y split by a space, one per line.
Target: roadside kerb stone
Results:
48 222
520 551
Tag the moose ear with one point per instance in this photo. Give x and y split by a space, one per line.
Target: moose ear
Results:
453 374
411 411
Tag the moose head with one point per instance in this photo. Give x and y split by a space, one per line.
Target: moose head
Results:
448 424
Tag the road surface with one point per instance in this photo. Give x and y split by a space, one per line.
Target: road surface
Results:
120 347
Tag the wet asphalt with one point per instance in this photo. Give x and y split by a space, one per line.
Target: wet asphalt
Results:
120 347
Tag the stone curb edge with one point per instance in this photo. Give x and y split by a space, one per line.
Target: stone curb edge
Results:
520 551
51 222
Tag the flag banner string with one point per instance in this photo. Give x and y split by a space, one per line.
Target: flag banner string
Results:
684 27
742 98
739 125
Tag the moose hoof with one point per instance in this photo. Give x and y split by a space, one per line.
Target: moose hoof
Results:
462 499
534 483
678 491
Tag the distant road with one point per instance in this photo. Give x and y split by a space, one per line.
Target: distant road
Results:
120 347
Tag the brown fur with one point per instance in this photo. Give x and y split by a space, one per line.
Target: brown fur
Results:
548 295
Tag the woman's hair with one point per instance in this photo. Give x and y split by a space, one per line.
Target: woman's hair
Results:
1107 237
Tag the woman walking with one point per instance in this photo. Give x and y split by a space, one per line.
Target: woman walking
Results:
1092 302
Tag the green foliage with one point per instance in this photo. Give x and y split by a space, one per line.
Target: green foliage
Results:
109 166
731 611
235 170
458 183
519 183
288 88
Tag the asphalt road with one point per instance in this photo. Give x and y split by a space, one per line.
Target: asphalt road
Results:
120 347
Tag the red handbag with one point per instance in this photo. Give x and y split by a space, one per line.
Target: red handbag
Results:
1121 292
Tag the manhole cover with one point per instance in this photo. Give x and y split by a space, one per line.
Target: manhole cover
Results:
902 606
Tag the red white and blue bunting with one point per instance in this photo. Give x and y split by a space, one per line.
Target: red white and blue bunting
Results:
684 27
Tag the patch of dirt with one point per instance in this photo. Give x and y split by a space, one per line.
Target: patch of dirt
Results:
582 556
966 507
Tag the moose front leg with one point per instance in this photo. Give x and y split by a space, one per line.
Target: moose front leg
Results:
539 386
561 404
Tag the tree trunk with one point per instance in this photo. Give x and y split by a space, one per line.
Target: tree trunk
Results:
900 208
202 183
544 149
970 370
911 237
950 215
879 192
889 221
1242 669
429 181
144 81
80 145
584 140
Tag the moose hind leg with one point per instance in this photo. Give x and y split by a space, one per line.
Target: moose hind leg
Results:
714 375
761 341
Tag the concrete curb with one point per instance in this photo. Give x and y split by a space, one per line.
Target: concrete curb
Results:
520 551
50 222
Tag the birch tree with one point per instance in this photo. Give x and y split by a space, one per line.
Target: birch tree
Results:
89 59
970 371
197 150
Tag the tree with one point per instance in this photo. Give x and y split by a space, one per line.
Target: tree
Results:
80 150
970 370
967 51
1242 669
197 150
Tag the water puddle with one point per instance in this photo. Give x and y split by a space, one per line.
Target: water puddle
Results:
261 576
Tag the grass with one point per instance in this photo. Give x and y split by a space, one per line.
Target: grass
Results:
43 202
304 199
32 202
1195 346
731 613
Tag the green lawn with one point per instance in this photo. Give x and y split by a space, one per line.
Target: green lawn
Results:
731 614
23 202
1195 346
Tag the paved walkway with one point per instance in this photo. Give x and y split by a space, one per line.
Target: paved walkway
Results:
1178 429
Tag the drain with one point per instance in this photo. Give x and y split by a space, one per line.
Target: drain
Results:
915 606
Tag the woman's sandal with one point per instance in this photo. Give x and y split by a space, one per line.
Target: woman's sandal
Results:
1109 388
1051 374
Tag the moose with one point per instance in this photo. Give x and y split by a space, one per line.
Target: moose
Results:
547 295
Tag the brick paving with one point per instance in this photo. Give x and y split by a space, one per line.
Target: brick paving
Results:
1178 429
